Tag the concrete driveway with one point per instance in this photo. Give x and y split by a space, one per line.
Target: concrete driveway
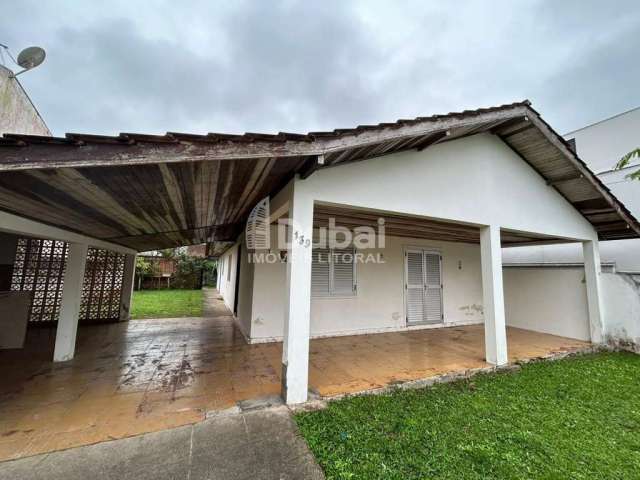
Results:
262 444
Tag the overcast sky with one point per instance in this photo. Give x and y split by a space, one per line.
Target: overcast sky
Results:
306 65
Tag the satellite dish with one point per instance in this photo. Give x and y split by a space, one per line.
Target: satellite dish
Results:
31 57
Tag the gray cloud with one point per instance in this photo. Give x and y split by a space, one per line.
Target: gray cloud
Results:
300 65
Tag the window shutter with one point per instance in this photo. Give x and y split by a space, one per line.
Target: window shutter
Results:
414 286
433 288
257 229
320 272
343 271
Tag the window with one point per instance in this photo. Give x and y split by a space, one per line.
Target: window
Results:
229 258
333 272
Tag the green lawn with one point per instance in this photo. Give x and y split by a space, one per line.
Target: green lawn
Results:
577 418
166 303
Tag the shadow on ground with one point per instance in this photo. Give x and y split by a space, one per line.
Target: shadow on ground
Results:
263 444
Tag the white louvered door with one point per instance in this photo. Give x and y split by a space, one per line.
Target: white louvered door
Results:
414 285
423 287
432 288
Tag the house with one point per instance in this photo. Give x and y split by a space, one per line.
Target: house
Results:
447 210
442 195
348 260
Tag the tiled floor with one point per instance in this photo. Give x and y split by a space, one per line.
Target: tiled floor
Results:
149 375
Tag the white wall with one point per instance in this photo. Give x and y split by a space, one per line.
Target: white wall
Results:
476 180
379 302
548 300
227 284
553 300
245 292
621 296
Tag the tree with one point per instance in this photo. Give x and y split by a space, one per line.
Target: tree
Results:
626 160
143 268
191 271
169 253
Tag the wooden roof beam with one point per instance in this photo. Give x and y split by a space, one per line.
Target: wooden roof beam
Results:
312 164
568 178
432 140
597 211
506 126
517 130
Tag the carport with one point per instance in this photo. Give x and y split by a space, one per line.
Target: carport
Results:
75 211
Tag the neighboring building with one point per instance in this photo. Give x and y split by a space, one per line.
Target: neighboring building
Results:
17 112
600 145
162 269
17 115
197 251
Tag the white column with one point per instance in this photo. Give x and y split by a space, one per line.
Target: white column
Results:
495 333
592 271
70 306
128 277
295 348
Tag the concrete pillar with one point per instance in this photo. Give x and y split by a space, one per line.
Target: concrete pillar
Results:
592 271
8 247
295 348
495 332
70 305
128 277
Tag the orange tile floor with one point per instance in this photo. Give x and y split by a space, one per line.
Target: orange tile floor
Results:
149 375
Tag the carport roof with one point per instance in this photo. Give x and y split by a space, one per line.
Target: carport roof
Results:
155 191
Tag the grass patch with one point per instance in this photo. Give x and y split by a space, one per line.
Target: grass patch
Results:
576 418
166 303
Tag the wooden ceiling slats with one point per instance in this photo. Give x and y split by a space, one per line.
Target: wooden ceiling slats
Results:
252 192
412 227
87 193
174 194
247 186
56 215
47 194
